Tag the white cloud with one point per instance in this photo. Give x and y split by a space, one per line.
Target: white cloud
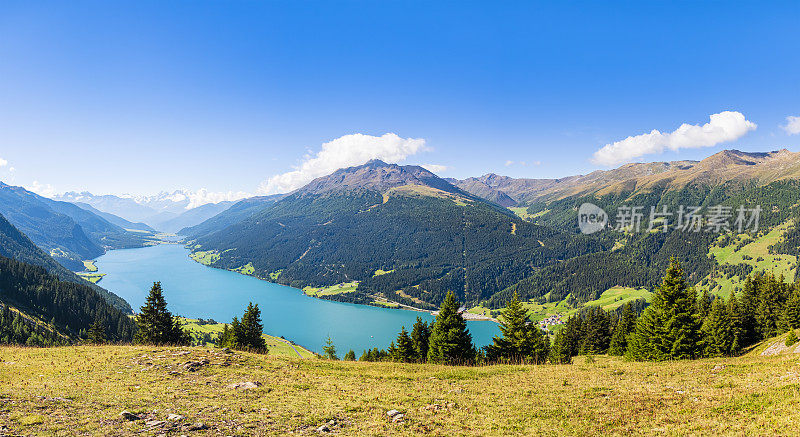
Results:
45 190
792 126
345 151
509 163
435 168
722 127
3 162
203 196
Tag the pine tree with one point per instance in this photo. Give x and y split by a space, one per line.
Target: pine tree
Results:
450 341
155 323
596 331
521 341
97 332
329 349
769 309
625 325
250 332
717 330
420 334
404 350
792 310
668 328
750 333
735 314
350 355
560 351
226 337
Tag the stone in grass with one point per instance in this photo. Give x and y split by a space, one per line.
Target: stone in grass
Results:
392 413
196 426
323 428
127 415
244 385
175 417
155 423
398 418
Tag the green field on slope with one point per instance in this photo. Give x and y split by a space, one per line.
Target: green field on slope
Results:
277 346
755 253
610 299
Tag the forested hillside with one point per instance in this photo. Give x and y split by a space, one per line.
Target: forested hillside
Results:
15 245
234 214
428 235
66 307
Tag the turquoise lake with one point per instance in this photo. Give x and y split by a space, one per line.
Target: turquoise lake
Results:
194 291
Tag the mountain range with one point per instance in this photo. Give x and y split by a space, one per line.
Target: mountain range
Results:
407 235
165 211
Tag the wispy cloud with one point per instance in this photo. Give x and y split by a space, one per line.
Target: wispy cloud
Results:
722 127
203 196
345 151
45 190
3 162
435 168
792 126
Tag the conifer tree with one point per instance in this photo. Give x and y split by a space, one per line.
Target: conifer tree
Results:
97 332
769 309
792 310
404 350
329 350
350 355
596 334
625 325
668 328
450 341
717 330
750 333
250 331
420 334
560 351
735 314
155 323
521 341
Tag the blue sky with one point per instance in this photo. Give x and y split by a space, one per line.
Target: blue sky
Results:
139 97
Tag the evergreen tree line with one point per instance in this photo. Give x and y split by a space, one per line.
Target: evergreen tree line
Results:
16 329
679 324
69 308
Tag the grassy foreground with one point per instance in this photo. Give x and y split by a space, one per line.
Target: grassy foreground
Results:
82 391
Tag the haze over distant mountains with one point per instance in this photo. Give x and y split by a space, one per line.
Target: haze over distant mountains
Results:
165 211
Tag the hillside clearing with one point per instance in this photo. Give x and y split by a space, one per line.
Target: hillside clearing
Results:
82 391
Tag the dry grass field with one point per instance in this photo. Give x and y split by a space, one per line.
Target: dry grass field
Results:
82 391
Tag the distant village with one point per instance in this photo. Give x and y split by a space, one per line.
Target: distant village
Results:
553 320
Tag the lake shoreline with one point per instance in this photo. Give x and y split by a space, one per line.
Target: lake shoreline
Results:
398 306
193 291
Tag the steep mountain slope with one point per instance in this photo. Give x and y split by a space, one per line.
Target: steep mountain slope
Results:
194 216
234 214
69 233
66 307
115 219
428 234
15 245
